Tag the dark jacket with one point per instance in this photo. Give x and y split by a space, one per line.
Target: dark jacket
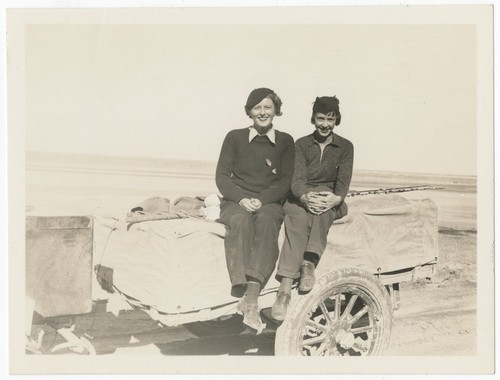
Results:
314 172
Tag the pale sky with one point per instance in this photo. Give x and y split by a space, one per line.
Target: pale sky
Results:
407 92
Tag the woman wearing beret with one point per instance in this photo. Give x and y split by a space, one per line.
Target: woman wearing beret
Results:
254 174
321 179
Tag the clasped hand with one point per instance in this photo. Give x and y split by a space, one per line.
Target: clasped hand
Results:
250 204
321 201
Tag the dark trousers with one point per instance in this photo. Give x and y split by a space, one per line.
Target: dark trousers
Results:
304 232
251 241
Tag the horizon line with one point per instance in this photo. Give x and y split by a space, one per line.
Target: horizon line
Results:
193 161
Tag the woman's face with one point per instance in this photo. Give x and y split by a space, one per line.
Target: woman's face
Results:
324 123
263 113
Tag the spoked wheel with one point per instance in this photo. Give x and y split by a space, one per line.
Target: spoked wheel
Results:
225 325
348 313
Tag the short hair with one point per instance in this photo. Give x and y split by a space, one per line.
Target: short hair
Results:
326 105
276 101
337 115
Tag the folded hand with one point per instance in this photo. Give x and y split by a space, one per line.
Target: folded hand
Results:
319 202
250 204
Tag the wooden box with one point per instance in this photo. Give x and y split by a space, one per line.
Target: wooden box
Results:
59 264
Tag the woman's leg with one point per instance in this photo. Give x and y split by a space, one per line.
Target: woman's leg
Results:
319 226
248 238
296 233
296 236
237 242
266 224
249 305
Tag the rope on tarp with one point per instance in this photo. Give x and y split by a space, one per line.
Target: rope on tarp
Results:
140 216
403 189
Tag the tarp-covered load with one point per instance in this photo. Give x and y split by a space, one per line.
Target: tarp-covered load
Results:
179 266
383 233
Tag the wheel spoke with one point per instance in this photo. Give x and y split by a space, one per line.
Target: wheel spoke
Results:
350 305
325 313
358 315
359 345
318 339
338 302
359 330
335 351
316 325
321 349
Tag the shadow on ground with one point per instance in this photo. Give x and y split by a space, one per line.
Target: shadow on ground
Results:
134 329
242 344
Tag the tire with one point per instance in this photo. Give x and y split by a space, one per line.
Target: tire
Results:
361 327
227 325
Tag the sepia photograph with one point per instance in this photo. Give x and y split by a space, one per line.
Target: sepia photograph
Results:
239 189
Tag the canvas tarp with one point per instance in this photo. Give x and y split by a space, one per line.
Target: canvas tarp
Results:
179 265
383 233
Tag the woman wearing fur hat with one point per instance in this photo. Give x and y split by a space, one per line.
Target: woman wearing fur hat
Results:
321 179
254 174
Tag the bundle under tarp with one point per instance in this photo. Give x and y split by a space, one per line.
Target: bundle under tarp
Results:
178 266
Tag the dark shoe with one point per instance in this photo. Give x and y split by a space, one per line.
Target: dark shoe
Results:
307 278
251 315
278 310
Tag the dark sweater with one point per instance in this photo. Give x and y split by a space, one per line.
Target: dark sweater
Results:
259 169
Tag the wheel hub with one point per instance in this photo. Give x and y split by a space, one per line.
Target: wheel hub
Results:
345 339
341 336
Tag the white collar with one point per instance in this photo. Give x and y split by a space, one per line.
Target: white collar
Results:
271 135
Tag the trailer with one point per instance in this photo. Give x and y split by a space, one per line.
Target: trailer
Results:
174 269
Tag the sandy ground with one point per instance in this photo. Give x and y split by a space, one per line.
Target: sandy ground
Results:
435 318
